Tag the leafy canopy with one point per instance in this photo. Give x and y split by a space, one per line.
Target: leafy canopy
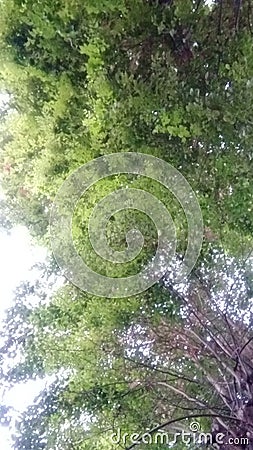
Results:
173 79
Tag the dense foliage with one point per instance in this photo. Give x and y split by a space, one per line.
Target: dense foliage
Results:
173 79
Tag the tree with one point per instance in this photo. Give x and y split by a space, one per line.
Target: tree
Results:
174 80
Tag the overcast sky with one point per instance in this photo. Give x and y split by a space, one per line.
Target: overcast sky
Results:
17 255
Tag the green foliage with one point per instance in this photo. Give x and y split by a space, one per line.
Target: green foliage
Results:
85 79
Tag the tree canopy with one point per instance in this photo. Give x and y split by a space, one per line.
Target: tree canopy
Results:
171 79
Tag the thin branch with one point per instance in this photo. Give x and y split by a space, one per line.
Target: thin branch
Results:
250 17
237 13
182 393
166 372
231 371
245 345
220 18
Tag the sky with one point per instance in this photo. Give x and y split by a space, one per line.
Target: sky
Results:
17 255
